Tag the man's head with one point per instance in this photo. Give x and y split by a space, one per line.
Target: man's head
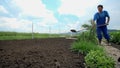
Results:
100 8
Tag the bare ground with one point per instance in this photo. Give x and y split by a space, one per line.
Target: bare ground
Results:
39 53
114 51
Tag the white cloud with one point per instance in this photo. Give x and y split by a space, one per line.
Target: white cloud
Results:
75 25
15 24
77 7
47 21
2 9
36 8
31 7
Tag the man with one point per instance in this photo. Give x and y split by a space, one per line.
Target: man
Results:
102 19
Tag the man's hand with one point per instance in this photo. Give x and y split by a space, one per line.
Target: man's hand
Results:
107 23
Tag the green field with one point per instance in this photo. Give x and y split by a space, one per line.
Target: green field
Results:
19 36
115 37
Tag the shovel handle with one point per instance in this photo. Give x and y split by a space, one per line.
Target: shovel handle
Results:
102 25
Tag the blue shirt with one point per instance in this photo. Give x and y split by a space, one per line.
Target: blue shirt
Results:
100 18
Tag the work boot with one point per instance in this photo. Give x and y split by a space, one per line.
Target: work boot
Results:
99 42
108 43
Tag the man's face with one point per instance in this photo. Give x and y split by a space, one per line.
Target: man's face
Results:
100 9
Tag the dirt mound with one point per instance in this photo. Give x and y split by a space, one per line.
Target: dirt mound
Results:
39 53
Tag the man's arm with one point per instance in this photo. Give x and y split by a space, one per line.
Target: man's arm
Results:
108 19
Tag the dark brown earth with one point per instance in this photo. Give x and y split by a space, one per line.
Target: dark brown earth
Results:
39 53
116 46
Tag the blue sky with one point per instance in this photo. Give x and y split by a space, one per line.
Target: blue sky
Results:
53 16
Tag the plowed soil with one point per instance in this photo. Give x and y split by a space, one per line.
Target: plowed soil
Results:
39 53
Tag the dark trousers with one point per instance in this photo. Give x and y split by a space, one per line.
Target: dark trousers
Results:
103 31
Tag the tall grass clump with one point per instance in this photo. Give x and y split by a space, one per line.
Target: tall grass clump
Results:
88 36
86 42
85 47
115 37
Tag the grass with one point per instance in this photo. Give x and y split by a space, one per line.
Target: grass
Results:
85 43
87 36
115 37
85 47
19 36
99 59
94 54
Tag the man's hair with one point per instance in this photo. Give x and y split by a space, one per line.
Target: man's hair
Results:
100 6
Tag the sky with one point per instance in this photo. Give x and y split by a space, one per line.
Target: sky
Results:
53 16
